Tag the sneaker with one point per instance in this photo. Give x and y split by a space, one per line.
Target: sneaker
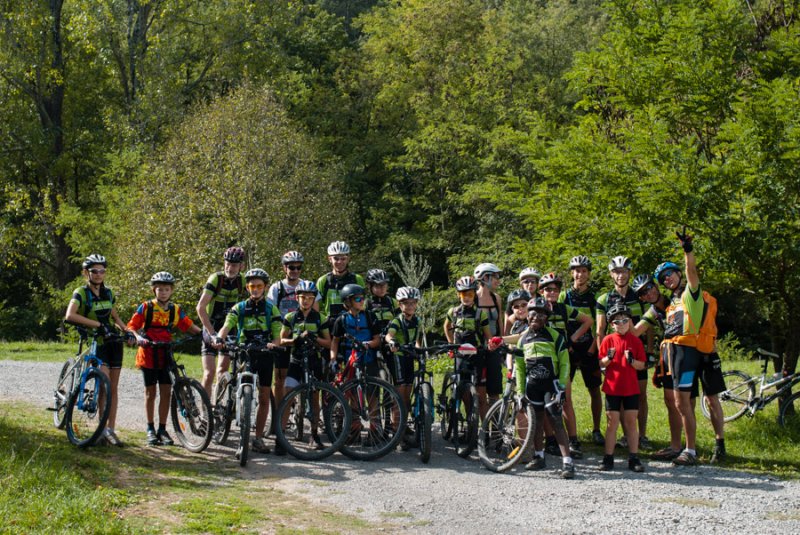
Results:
537 463
598 438
685 459
567 471
635 465
645 444
719 456
316 442
607 464
623 442
258 446
152 438
279 449
164 437
112 438
551 447
575 450
666 454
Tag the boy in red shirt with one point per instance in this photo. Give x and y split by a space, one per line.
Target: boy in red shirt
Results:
622 355
154 321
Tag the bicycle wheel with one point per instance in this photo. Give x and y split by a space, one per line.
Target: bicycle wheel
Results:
465 420
191 414
223 409
65 384
505 435
446 407
306 440
245 421
736 399
789 416
87 409
424 422
372 401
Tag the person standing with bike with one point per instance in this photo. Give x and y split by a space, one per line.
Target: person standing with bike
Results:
332 283
358 323
92 306
222 290
154 321
254 320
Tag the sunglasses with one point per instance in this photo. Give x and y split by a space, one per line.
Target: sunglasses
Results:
552 289
358 298
533 314
339 258
294 267
621 321
465 293
667 273
96 271
529 281
644 289
256 286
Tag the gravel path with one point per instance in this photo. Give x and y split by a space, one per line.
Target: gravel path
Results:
453 495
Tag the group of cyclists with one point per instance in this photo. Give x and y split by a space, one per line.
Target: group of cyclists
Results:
610 338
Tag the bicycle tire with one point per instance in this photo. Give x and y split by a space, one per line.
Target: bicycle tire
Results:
425 421
368 438
64 387
293 438
192 418
789 415
269 427
224 408
446 407
85 425
736 399
501 441
466 421
245 421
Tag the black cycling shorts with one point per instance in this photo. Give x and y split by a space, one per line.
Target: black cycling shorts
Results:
641 375
110 354
536 391
626 403
492 373
588 364
711 374
152 376
282 357
262 364
684 362
401 367
295 376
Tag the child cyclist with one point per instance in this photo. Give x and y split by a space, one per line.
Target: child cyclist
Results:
358 323
154 321
622 355
528 281
382 305
403 330
305 323
468 324
542 375
92 306
255 320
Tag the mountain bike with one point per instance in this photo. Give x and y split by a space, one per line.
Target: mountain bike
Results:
422 403
301 428
507 431
741 396
373 402
190 408
458 401
82 397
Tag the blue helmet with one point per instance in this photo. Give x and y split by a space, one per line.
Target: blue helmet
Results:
665 266
306 287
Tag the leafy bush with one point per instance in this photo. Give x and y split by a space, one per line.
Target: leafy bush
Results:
730 348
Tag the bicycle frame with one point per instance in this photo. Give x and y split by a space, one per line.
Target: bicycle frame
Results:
782 385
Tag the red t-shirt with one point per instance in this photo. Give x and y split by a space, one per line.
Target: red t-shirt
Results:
157 331
621 377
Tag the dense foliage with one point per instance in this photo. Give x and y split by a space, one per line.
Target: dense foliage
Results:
513 130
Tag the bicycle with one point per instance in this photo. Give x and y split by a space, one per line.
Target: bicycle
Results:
300 410
458 401
237 397
373 402
82 397
190 408
422 403
741 397
506 433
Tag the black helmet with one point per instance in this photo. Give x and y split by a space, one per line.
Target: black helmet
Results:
539 303
616 310
351 290
94 259
377 276
516 295
640 282
257 273
234 255
580 261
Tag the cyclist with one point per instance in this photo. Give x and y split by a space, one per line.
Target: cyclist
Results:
517 310
560 315
528 281
222 290
542 376
305 322
358 323
255 320
402 330
583 352
154 321
468 324
382 305
620 269
488 277
685 362
621 354
92 306
331 284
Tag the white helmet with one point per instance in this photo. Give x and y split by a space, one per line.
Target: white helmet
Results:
620 262
530 272
408 292
338 247
484 269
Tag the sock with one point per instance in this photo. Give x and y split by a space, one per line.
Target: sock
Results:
693 452
721 444
540 453
162 427
567 460
632 456
151 427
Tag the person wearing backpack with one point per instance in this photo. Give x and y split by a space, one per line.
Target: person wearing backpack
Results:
222 290
685 339
154 321
332 283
